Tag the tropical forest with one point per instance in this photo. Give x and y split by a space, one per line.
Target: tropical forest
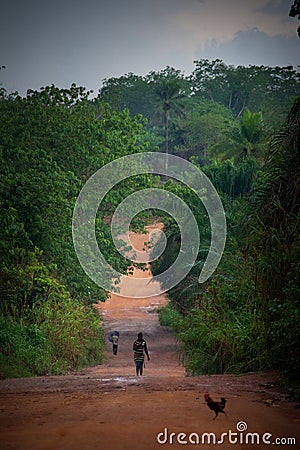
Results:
241 127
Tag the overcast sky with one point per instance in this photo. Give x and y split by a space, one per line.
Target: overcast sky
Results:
85 41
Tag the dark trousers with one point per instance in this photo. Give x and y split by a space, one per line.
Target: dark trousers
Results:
139 367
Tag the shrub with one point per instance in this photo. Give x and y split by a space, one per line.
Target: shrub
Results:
74 331
24 349
53 337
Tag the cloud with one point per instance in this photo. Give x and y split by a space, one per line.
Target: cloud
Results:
275 7
73 41
254 47
221 19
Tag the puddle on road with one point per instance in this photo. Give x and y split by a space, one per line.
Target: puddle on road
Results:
127 380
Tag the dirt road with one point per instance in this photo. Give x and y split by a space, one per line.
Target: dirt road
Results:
107 407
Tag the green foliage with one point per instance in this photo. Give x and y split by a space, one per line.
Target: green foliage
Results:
215 342
51 142
28 282
251 126
215 97
220 326
221 331
221 117
245 317
240 87
275 232
131 92
24 349
74 330
57 335
205 125
275 243
169 317
233 179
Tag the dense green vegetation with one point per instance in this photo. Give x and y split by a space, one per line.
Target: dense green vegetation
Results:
241 126
244 318
51 142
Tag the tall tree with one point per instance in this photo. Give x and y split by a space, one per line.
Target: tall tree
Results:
169 93
205 125
131 92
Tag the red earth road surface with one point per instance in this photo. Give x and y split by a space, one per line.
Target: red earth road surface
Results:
107 407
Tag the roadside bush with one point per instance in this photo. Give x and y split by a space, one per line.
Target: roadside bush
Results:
224 332
73 329
169 317
228 344
24 349
53 337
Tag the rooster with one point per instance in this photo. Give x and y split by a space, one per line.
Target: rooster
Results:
217 407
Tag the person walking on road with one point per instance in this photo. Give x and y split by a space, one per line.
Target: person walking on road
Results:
114 339
115 342
139 351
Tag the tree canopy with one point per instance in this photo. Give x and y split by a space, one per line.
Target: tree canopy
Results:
241 126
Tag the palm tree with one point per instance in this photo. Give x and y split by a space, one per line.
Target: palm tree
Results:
277 196
251 127
284 161
169 93
245 138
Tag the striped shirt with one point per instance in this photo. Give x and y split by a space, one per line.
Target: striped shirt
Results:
139 348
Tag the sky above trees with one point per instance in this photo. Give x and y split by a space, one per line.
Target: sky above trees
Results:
68 41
